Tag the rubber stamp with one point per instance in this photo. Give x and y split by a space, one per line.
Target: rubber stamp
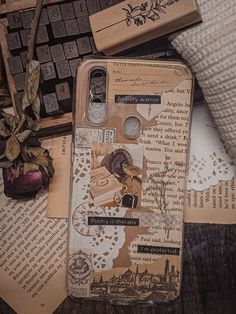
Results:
57 52
84 25
84 46
48 71
80 8
63 69
15 65
27 17
67 11
43 54
14 20
72 27
54 13
42 35
13 40
58 29
71 50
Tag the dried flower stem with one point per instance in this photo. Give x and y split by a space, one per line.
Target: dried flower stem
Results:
30 52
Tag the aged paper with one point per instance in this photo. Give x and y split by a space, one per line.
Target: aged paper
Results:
214 205
32 255
59 189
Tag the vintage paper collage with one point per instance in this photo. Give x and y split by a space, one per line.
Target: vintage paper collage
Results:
125 238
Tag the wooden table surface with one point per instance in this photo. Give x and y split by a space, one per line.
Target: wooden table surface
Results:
209 278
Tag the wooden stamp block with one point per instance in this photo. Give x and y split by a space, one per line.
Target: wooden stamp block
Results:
84 46
25 34
48 71
84 24
63 91
15 65
44 20
42 35
63 69
80 8
54 13
51 104
71 50
93 46
14 20
106 4
93 6
19 81
58 29
67 11
13 41
23 56
74 64
72 27
64 96
57 53
27 17
43 54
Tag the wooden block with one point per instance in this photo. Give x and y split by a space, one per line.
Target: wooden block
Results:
106 4
23 56
93 6
63 91
64 96
14 20
63 69
25 34
42 35
74 64
58 29
84 24
84 46
48 71
93 46
43 54
27 17
72 27
13 41
80 8
71 50
51 104
57 53
54 13
15 65
44 20
19 81
67 11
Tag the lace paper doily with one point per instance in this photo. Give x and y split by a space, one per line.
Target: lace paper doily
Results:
209 162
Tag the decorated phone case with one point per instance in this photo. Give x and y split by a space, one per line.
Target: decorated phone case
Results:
130 147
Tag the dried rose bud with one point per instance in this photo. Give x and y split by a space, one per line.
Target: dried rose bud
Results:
18 185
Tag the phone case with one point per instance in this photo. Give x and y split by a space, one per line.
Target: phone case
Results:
130 149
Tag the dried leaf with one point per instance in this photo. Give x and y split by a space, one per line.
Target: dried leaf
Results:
9 118
36 107
23 135
12 149
51 168
5 164
4 132
30 167
25 154
33 80
42 160
25 102
36 151
31 124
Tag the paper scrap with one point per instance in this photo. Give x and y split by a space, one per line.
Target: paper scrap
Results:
59 189
32 255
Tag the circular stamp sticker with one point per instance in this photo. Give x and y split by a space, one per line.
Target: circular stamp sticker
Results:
132 127
80 219
80 268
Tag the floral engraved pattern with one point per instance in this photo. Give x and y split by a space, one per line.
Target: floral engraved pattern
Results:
146 11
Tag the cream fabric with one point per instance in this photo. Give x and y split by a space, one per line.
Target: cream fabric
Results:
210 50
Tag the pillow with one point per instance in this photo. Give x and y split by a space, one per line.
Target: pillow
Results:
210 50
